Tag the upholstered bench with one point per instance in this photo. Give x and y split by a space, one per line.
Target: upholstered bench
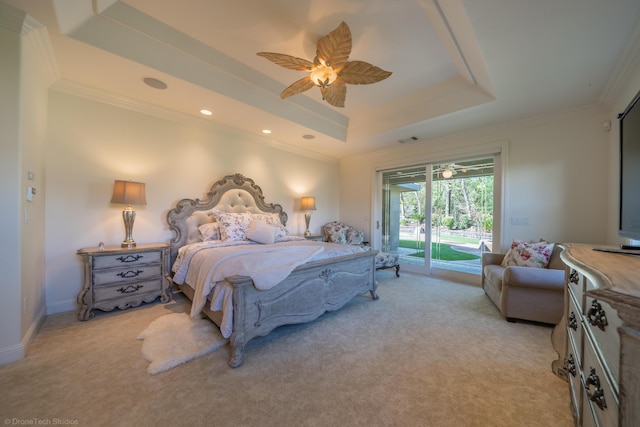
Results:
387 260
338 232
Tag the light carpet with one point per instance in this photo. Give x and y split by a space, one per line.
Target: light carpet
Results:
174 339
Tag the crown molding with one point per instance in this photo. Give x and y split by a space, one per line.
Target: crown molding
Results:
626 67
11 18
38 39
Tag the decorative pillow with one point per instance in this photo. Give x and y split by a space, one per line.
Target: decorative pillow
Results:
355 237
273 219
233 226
209 231
261 232
335 232
524 254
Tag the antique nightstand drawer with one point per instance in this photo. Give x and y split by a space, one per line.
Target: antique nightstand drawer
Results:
602 322
126 259
599 394
124 275
127 290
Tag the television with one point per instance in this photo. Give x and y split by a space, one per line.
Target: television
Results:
629 219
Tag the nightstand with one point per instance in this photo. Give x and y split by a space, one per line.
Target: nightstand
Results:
123 277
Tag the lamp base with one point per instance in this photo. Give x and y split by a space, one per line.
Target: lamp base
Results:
307 220
127 244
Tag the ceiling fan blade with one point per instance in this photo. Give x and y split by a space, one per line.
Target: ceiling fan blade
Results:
362 73
335 94
334 48
287 61
297 87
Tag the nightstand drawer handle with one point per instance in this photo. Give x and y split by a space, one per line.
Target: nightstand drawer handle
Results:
598 394
573 322
574 277
130 289
597 316
129 274
570 365
130 258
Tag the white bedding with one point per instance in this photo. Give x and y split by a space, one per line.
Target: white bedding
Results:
204 265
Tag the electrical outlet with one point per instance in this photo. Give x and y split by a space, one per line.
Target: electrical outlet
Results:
519 221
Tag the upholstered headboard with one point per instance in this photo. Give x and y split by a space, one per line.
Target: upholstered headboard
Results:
233 193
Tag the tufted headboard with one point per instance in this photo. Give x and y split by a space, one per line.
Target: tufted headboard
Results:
233 193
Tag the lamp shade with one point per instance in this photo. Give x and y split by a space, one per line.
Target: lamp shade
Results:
308 204
128 193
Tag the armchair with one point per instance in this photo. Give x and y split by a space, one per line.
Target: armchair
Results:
338 232
526 293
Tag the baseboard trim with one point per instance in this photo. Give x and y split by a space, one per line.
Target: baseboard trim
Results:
17 352
62 306
11 354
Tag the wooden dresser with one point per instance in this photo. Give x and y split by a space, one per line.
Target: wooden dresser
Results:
598 339
123 277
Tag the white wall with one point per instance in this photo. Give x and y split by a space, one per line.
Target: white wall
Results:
91 144
10 313
23 118
556 174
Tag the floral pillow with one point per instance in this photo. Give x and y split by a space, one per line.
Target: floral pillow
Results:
523 254
233 226
261 232
210 231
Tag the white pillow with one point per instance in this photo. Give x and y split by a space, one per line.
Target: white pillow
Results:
273 219
261 232
210 231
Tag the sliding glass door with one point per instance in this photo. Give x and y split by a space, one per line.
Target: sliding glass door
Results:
439 217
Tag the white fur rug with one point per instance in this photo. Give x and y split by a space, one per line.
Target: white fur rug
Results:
175 338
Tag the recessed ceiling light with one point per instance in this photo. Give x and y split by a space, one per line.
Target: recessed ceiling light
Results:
154 83
266 131
308 136
206 112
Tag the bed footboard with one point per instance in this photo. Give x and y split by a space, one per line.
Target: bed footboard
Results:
307 293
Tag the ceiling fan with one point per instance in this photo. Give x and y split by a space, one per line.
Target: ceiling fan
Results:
330 70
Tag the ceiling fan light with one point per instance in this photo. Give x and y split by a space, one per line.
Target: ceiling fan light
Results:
447 173
323 75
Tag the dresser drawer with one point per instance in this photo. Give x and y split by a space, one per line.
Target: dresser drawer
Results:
600 398
574 327
602 322
125 275
126 259
575 384
125 291
576 283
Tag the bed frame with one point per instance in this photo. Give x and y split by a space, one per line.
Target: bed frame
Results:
308 292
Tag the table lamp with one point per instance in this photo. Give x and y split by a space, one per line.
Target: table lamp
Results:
128 193
308 204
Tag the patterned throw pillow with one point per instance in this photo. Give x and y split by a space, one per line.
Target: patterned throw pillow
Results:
523 254
209 231
233 226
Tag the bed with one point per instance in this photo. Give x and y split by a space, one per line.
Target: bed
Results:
237 297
